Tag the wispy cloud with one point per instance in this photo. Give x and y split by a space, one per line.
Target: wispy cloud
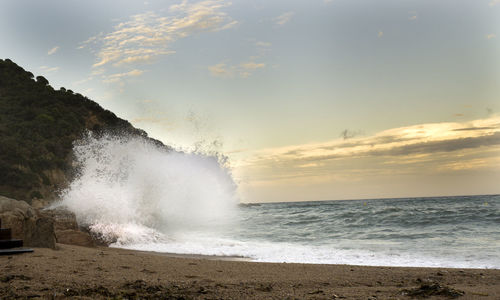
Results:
491 36
243 70
263 44
53 50
494 2
252 65
147 36
79 82
413 15
430 144
349 134
284 18
49 69
119 76
220 70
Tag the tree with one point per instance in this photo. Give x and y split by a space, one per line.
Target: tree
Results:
42 80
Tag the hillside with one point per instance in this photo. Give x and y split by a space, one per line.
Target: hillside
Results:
38 126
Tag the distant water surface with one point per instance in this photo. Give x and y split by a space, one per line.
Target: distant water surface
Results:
461 232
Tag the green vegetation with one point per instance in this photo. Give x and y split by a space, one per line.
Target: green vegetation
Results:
37 128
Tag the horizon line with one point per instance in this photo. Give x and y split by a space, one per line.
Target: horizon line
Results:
370 199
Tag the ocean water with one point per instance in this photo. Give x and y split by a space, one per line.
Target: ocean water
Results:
140 197
459 232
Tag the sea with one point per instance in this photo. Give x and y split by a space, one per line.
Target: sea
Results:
455 232
137 196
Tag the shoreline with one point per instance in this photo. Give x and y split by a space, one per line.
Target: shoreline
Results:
104 273
248 259
193 256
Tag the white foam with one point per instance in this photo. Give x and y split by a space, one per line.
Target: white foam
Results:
129 190
294 253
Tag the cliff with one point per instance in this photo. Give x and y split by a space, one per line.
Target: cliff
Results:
38 126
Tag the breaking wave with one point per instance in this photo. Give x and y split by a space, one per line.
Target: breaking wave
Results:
128 190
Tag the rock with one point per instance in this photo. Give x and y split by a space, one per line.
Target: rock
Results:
74 237
25 224
43 235
42 228
66 228
63 219
39 203
18 216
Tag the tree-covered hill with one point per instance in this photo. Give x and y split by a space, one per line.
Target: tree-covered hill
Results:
37 128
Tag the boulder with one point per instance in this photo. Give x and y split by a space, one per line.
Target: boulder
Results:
16 215
36 231
43 234
66 227
63 219
42 228
74 237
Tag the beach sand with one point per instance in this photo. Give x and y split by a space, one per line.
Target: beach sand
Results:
90 273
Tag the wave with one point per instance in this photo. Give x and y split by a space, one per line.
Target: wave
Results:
129 190
281 252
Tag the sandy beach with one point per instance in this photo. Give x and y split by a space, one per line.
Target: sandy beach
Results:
90 273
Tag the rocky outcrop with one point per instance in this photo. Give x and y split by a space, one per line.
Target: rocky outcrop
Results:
66 228
63 219
26 224
42 228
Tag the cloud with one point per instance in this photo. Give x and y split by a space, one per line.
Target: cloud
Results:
220 70
262 48
53 50
440 146
284 18
252 65
474 128
49 69
380 34
263 44
491 36
494 2
145 37
447 145
348 134
119 76
413 15
90 41
242 70
79 82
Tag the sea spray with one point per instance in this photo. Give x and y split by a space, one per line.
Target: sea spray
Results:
128 190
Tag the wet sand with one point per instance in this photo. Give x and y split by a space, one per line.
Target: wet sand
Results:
91 273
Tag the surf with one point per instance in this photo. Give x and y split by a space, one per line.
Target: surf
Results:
129 190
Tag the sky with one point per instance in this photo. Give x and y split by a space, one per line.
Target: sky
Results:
308 99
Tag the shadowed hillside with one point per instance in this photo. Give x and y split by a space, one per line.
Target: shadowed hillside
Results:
37 128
